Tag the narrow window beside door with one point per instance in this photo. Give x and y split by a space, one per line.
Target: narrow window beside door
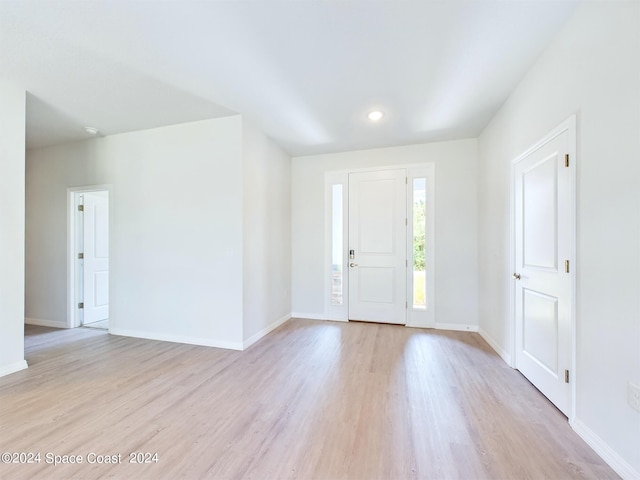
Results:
419 238
336 245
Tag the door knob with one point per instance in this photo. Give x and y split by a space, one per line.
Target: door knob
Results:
353 264
516 276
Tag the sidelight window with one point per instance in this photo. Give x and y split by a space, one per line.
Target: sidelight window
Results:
337 247
419 240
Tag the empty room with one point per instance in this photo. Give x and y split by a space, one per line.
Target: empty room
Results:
320 239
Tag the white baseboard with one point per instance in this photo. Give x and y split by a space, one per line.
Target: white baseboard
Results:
418 325
329 319
438 326
493 344
13 368
257 336
45 323
335 319
308 316
457 327
615 461
204 342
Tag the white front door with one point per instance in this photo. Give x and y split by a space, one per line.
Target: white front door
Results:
96 257
543 267
377 246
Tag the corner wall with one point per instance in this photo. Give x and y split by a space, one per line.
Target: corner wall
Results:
456 301
176 230
12 236
266 234
592 69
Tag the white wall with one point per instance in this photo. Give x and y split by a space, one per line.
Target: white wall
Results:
591 69
266 234
48 174
176 229
12 207
456 224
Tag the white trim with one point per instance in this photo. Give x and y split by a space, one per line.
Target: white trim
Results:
336 312
415 317
204 342
422 318
608 454
456 327
493 344
569 125
45 323
418 326
312 316
265 331
13 368
334 319
72 319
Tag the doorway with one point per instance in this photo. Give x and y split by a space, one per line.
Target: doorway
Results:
88 253
379 245
543 232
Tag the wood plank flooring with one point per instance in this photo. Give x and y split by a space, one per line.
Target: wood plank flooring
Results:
312 400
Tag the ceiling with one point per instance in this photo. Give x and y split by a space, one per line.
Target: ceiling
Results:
306 72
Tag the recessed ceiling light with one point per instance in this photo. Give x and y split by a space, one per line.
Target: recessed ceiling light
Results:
91 130
375 115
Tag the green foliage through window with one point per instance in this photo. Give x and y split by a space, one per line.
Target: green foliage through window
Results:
418 235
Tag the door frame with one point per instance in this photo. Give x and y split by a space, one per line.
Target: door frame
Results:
73 317
568 125
422 318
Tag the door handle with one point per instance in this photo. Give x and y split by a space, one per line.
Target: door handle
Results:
516 276
353 264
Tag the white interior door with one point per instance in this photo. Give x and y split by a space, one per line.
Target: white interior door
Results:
96 257
377 246
543 268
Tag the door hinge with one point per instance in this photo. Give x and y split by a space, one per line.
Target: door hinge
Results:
406 305
406 222
566 160
81 305
566 376
81 208
80 256
566 266
406 263
406 180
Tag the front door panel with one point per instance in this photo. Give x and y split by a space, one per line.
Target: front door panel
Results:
377 236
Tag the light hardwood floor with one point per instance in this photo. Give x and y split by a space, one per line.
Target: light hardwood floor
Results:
312 400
